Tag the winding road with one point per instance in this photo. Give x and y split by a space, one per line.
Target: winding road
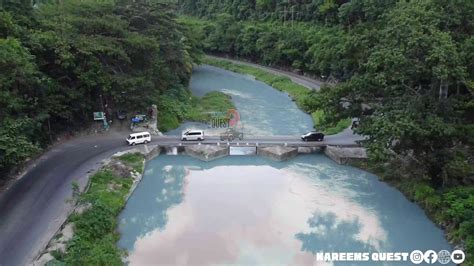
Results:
34 208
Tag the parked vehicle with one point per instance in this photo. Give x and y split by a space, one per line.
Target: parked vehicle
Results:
121 115
138 138
313 136
139 118
193 135
231 133
355 124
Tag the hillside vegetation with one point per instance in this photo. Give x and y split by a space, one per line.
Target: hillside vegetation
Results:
62 60
405 68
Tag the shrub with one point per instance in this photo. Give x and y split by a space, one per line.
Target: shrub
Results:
95 237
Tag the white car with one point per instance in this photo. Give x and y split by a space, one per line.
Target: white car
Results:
192 135
138 138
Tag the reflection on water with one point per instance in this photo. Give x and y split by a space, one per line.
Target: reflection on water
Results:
247 210
151 201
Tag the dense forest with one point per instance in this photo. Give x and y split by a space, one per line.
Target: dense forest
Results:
62 60
405 68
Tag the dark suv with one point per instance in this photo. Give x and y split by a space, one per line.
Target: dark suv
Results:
313 136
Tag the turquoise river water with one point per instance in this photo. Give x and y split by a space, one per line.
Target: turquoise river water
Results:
248 210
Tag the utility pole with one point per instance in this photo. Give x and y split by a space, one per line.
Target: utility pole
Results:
284 16
443 89
285 13
292 16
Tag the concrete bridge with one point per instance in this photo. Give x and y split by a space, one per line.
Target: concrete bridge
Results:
340 149
261 141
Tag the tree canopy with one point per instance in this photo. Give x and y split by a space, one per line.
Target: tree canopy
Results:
63 60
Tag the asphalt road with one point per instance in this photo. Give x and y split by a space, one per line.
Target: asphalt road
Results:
34 208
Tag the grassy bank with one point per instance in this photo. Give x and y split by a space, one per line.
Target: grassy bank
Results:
298 93
211 102
95 235
174 110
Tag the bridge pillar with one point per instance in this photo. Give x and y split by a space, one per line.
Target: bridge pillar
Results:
278 153
345 155
207 152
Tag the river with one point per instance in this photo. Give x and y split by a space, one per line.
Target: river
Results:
249 210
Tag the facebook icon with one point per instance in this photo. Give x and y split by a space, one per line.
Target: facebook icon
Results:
430 256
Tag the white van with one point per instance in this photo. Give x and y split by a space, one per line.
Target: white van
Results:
193 135
137 138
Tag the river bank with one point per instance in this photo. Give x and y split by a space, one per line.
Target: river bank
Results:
88 237
310 82
173 111
300 94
